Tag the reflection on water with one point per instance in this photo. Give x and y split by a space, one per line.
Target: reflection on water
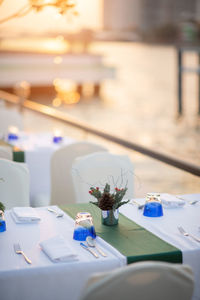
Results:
140 106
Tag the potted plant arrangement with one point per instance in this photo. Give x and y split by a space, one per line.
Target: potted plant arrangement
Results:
109 203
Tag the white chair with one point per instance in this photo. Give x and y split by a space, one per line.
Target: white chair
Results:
14 184
61 163
99 168
6 152
9 117
142 281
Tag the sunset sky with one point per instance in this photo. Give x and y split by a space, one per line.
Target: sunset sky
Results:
90 16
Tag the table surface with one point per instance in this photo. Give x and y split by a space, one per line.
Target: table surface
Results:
47 280
166 228
44 279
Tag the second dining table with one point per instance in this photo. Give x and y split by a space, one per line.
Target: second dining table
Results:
36 149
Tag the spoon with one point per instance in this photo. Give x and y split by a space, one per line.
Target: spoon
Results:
58 215
92 243
193 202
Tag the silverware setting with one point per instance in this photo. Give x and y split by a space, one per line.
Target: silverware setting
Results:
192 202
185 233
58 215
18 250
90 250
92 243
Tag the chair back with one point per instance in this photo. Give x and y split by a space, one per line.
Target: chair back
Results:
14 184
62 191
9 117
99 168
6 152
142 281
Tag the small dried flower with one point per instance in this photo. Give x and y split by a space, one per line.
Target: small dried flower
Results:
107 200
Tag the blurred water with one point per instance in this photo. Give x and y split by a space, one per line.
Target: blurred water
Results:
140 105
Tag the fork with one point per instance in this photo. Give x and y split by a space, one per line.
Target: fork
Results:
18 250
188 234
192 202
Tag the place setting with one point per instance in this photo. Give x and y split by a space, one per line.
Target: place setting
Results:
166 200
57 248
85 231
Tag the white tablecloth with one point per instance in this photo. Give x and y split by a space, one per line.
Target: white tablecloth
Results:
38 149
165 227
47 280
44 279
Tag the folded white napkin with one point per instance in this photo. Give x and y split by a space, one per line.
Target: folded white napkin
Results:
25 215
58 250
171 201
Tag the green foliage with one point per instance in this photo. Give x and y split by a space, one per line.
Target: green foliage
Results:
116 197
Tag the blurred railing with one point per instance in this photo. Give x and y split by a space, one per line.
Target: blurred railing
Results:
63 117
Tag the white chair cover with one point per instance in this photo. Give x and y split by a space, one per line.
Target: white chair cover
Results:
142 281
99 168
14 184
6 152
61 163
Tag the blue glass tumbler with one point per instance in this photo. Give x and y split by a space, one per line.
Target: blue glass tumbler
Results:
83 227
2 222
153 206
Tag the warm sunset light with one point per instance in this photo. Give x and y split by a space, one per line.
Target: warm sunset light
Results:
66 92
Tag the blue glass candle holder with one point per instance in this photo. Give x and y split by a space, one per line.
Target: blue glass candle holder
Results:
12 136
153 207
57 139
84 227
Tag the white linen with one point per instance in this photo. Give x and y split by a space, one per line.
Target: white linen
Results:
44 279
25 215
47 280
165 227
171 201
58 250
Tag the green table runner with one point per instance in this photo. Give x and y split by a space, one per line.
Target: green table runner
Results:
18 155
130 239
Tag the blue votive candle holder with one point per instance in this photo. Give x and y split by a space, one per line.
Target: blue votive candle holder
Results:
153 207
84 227
57 139
12 136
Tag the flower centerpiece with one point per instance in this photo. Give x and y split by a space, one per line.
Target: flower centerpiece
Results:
109 202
